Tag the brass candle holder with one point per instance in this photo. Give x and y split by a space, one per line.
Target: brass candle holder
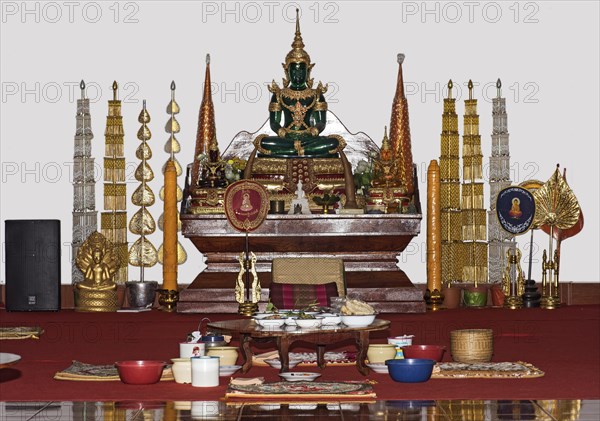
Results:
513 282
550 292
167 298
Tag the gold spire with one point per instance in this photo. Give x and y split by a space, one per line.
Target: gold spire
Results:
450 85
297 53
115 88
470 86
206 123
400 133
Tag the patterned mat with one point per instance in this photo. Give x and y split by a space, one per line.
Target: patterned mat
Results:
21 332
500 370
82 372
302 390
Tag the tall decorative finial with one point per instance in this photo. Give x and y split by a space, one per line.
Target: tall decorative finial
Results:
498 87
470 86
297 54
400 133
82 87
115 88
450 85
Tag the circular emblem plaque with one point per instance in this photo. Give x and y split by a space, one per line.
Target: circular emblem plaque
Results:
515 208
246 205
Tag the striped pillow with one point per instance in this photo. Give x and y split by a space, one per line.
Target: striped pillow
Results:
294 296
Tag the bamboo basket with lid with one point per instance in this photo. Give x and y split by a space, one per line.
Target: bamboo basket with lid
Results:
472 345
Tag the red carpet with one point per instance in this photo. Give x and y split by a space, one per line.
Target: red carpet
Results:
565 343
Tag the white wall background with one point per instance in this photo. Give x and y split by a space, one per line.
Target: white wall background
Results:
545 52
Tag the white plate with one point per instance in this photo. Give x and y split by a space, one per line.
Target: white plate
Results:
380 368
358 321
309 323
275 363
7 359
228 370
270 323
300 376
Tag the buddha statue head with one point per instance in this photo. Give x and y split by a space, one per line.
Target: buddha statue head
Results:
297 64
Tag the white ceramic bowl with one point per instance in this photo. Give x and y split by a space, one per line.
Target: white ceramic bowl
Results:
330 319
358 321
291 321
276 363
400 341
228 370
380 368
270 323
299 376
309 323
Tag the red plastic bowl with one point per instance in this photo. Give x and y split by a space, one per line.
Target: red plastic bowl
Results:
429 352
140 371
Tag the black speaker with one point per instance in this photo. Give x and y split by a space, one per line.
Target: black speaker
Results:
32 250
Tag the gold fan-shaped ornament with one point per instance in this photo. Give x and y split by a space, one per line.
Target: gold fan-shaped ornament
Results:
143 151
177 167
173 108
173 144
143 253
161 193
174 124
556 204
181 254
143 196
161 222
144 172
142 223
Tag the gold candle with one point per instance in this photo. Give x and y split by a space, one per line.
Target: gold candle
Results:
170 228
434 237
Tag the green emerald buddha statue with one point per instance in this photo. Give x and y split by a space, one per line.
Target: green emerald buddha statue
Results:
302 109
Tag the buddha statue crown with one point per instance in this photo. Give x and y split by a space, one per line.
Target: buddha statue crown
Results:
297 54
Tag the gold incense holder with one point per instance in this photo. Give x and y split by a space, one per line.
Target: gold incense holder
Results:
167 298
247 308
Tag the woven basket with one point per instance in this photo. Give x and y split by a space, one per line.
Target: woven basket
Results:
472 345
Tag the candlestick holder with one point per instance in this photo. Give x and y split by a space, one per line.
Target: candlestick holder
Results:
434 299
513 283
167 298
550 292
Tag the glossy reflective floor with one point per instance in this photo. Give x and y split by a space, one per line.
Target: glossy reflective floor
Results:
548 410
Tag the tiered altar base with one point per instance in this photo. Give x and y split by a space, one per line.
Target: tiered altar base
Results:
368 244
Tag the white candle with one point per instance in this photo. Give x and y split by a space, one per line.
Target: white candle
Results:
205 371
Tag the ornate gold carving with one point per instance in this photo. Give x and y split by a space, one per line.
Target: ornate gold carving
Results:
298 95
99 263
274 107
320 106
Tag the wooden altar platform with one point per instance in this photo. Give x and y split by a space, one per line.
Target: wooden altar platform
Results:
368 244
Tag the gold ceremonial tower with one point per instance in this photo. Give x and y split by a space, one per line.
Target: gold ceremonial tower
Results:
113 221
474 216
400 133
451 223
206 126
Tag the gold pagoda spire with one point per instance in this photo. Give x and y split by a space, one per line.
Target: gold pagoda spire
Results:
450 214
400 133
206 125
474 215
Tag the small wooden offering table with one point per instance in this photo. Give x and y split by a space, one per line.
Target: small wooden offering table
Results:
249 330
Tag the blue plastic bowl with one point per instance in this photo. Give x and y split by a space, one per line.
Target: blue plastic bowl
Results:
410 370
